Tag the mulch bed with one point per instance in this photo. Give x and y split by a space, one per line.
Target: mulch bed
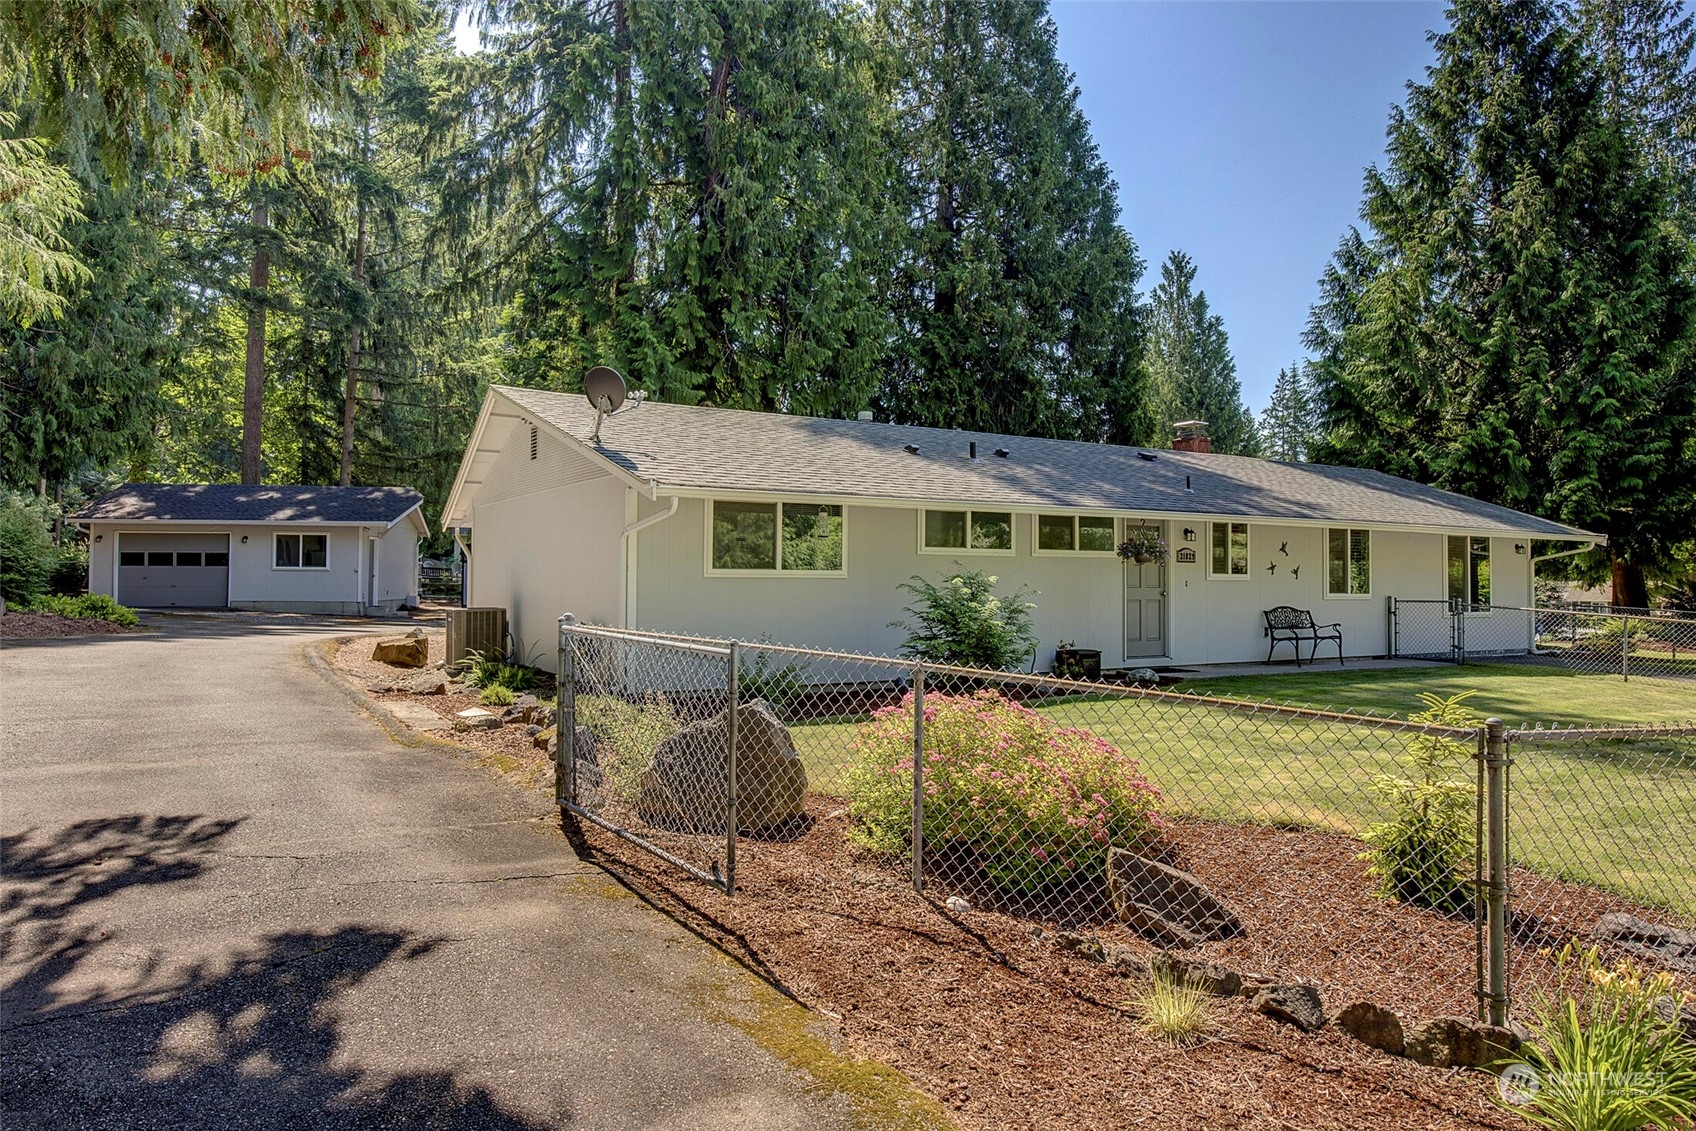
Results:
1007 1029
45 626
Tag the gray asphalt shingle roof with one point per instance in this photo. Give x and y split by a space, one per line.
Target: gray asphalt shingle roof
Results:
727 450
232 502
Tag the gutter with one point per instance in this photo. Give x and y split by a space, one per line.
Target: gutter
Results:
653 519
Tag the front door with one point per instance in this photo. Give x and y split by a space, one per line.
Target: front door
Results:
1145 605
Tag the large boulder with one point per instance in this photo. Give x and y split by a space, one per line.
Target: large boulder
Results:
403 651
1165 905
685 786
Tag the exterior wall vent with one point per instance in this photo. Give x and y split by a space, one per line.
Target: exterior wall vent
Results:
475 630
532 441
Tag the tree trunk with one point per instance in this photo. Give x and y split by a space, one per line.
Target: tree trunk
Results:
1630 590
253 391
350 396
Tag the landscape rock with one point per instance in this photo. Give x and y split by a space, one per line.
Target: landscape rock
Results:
402 651
1374 1025
543 739
1293 1003
420 683
1164 904
957 905
532 731
1084 946
685 785
520 709
1123 960
476 718
1456 1042
1208 977
1668 947
1680 1015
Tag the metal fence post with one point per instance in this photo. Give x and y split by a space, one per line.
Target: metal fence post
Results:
1394 632
732 716
1625 650
1496 763
565 717
919 778
1479 875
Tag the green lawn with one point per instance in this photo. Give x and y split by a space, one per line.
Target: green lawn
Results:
1517 694
1618 815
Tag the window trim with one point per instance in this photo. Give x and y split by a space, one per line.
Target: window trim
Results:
1348 533
1036 536
1012 514
325 568
1248 553
710 570
1489 559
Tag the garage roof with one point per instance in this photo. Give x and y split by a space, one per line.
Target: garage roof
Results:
233 502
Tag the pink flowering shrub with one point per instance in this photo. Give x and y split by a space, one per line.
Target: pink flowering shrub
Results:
1036 803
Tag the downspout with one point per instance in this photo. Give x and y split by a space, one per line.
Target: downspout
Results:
1547 558
630 531
465 569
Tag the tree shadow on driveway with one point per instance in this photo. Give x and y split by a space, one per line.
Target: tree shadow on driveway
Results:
250 1037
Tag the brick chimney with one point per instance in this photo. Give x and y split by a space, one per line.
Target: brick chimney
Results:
1191 437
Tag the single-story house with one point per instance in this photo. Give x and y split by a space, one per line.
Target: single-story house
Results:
351 550
729 523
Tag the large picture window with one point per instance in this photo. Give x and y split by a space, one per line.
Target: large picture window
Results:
968 531
1073 533
1348 563
1227 549
1469 571
302 551
775 538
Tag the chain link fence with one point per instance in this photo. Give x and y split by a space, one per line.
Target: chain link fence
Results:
1630 644
1342 849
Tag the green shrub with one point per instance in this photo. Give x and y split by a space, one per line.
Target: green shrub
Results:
626 734
1423 854
26 552
762 678
1600 1057
70 571
963 622
496 695
492 668
1036 803
90 606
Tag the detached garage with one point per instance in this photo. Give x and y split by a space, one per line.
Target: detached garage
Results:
350 550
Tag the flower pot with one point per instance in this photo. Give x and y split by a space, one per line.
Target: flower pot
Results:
1142 559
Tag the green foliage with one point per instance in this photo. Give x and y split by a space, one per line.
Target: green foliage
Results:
1191 373
1034 802
496 695
1173 1009
89 606
1289 425
963 622
1603 1059
38 201
494 668
70 570
1521 327
763 678
1422 854
626 734
26 550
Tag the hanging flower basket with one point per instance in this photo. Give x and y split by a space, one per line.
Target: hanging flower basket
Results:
1143 546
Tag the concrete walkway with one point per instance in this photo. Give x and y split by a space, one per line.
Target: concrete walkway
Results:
230 901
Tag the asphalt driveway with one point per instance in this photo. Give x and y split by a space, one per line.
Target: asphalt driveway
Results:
229 900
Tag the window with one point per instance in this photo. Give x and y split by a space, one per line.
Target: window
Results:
303 551
1060 533
185 558
132 558
218 558
1348 563
1228 549
1469 572
775 537
980 532
159 557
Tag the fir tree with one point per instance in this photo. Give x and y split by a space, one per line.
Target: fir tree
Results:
1287 424
1192 375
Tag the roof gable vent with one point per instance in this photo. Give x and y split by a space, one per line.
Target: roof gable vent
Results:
532 441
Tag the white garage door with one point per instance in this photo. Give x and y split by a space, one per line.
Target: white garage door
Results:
187 571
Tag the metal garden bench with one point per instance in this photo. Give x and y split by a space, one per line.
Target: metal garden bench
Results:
1288 624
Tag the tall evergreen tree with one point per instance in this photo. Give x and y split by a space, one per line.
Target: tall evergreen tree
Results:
1526 331
1192 375
1288 426
1014 290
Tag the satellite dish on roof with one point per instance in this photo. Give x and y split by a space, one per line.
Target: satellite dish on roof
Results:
605 390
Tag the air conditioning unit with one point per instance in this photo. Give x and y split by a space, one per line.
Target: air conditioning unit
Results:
475 630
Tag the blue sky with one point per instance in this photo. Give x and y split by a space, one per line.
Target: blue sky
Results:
1240 132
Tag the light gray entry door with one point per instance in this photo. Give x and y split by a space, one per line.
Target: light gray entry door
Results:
184 571
1145 605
